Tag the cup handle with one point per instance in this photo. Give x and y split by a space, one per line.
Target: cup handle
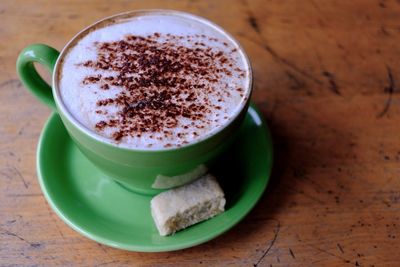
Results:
27 73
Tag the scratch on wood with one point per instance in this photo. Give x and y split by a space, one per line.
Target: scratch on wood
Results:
389 90
306 195
291 253
332 82
6 232
73 16
296 83
288 63
106 263
9 233
103 248
36 245
10 173
24 195
5 175
384 31
264 44
329 253
254 24
315 6
340 248
321 19
11 82
271 244
317 186
20 176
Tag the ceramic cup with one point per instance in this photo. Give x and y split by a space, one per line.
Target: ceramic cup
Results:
143 171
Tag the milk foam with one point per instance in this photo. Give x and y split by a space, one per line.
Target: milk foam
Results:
81 99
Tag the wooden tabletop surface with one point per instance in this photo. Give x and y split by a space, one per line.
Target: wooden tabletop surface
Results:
327 79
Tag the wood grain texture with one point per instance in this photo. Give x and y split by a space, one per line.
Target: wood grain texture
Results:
326 79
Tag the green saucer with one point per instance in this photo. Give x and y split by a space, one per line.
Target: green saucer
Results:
102 210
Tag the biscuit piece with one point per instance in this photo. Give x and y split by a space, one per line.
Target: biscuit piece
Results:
189 204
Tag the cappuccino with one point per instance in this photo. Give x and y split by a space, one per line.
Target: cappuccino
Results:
154 81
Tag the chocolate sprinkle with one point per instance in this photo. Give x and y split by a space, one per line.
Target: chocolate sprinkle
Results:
158 82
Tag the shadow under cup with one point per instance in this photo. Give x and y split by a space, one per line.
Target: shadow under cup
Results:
143 171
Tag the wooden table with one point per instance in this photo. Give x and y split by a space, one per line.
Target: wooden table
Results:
327 79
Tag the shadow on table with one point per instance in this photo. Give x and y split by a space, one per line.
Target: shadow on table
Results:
300 157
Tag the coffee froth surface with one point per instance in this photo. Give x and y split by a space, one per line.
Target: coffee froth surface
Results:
154 81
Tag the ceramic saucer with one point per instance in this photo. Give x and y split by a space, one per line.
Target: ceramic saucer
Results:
102 210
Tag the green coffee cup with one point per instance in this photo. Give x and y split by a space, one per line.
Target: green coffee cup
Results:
142 171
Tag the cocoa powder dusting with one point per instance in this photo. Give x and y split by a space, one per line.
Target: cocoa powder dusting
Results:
159 81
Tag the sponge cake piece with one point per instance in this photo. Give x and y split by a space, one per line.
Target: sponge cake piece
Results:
184 206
